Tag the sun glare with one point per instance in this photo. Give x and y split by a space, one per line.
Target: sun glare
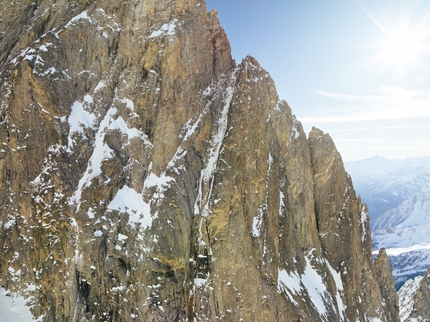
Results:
401 45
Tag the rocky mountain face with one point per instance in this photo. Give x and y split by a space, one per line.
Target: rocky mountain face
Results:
145 176
414 298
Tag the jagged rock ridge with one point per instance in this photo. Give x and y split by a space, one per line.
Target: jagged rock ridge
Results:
414 297
150 178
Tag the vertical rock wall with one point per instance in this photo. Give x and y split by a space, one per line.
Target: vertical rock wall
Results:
147 177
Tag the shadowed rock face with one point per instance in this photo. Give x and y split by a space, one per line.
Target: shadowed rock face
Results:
148 177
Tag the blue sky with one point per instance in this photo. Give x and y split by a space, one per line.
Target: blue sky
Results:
358 70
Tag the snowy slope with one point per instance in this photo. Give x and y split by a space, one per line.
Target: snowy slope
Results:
383 184
13 309
410 213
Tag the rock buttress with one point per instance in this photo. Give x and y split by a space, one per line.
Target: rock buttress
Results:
386 282
343 226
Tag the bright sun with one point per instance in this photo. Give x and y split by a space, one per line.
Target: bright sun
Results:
401 45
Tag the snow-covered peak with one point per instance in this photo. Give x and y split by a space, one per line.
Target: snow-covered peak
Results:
405 178
383 184
405 232
379 166
412 212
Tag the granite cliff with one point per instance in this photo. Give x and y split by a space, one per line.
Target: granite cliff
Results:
145 176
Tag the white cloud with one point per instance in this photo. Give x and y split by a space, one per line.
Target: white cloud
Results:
383 147
374 128
383 103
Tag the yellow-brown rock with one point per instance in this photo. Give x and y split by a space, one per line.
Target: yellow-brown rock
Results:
385 279
148 177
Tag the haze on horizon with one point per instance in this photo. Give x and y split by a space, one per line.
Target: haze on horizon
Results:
358 70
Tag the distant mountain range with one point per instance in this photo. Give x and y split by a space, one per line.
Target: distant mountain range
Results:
398 195
405 232
410 213
384 184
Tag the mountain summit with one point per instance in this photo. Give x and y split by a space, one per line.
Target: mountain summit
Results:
148 177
